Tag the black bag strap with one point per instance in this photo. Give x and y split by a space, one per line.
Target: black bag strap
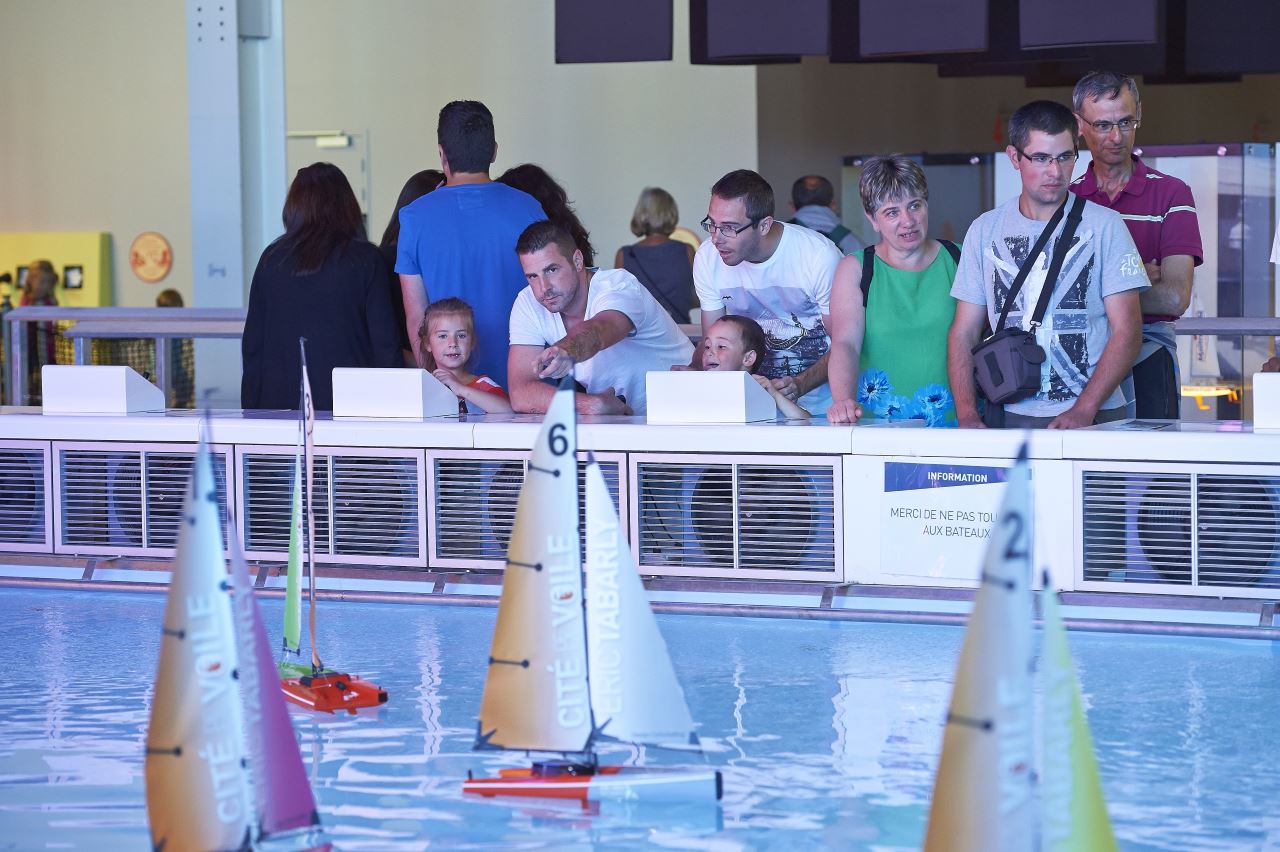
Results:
838 233
1059 257
1027 264
650 285
869 265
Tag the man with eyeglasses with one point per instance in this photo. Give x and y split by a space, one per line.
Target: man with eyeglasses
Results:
774 273
1092 329
1161 216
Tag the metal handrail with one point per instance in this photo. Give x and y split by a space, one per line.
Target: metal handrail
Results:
157 324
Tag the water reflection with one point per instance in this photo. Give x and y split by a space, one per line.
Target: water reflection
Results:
827 733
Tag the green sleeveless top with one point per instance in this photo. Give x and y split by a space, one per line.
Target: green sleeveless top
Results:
904 347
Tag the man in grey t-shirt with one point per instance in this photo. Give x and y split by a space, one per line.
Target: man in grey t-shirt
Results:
1092 329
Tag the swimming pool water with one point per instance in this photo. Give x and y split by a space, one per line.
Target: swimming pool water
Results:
827 732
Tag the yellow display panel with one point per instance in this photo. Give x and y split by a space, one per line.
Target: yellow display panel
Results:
90 251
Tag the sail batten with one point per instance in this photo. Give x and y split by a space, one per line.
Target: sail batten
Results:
542 703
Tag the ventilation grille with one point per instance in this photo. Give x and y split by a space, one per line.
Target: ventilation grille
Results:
475 504
1239 530
1182 529
686 514
107 503
737 516
267 486
22 497
168 475
1137 527
366 507
375 506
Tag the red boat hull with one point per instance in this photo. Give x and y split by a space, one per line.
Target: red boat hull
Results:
333 691
606 783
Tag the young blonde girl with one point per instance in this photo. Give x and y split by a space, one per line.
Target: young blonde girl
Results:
447 337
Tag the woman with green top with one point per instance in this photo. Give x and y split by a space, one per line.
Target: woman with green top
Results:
891 307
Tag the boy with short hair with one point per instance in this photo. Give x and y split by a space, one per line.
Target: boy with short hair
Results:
735 342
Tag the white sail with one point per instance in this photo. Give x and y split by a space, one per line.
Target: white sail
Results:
196 781
635 695
982 798
535 695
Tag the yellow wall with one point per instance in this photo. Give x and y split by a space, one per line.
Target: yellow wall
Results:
89 250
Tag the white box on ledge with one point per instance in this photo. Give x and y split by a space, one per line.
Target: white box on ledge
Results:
694 396
1266 400
390 392
84 389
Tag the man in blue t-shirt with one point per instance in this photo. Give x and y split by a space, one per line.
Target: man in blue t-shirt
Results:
460 240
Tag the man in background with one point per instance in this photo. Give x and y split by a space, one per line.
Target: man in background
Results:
813 201
1161 216
458 240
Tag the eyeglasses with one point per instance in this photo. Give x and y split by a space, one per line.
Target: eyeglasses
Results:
1124 125
726 230
1066 158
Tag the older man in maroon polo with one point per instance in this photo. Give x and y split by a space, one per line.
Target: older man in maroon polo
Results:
1161 216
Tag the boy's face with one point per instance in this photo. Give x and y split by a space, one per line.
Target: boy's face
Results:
723 348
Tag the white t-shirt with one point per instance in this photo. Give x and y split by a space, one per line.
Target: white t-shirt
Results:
788 294
655 344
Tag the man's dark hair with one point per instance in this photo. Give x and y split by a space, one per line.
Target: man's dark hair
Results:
752 338
812 189
1048 117
544 233
754 191
465 131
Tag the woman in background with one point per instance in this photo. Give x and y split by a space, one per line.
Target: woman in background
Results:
414 188
555 203
322 281
42 337
663 265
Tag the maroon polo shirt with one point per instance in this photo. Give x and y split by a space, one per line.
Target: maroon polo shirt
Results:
1160 213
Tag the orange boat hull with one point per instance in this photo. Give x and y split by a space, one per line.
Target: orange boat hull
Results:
606 783
333 691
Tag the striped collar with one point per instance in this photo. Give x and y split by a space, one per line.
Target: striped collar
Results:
1087 184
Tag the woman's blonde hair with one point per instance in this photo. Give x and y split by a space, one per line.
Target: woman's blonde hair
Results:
452 306
656 213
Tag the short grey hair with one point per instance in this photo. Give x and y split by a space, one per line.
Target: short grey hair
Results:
886 178
1097 85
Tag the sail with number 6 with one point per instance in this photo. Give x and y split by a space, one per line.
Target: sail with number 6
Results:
566 672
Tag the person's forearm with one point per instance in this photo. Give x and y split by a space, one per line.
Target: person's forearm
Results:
1114 364
1164 299
415 305
531 397
490 403
842 371
815 376
960 376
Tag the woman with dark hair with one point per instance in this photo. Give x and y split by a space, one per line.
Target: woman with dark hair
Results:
414 188
323 281
555 203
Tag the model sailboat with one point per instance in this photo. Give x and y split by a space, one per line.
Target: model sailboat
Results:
564 674
219 728
316 687
982 795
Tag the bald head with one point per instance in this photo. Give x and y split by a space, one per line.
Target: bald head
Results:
812 189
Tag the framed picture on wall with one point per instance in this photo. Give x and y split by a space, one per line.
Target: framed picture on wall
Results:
21 278
73 277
